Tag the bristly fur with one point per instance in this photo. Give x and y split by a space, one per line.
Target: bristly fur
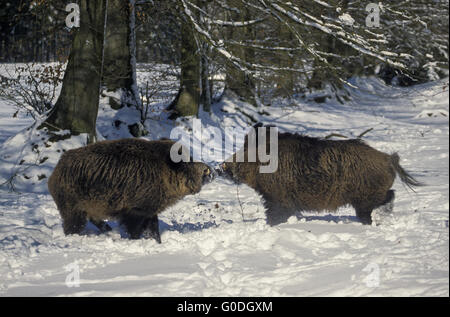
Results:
318 174
130 180
405 177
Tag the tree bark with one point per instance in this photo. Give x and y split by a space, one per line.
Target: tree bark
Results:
321 74
77 106
187 101
237 81
286 79
206 96
119 58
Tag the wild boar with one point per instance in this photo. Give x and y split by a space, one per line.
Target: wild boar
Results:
317 174
128 180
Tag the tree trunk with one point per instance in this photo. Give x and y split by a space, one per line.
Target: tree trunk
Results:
206 96
237 81
119 74
187 101
77 106
119 59
286 79
321 74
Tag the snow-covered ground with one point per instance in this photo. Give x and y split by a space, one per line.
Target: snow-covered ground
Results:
212 247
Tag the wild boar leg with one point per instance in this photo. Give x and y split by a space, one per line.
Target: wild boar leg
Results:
152 229
101 225
388 205
380 199
276 214
134 224
364 213
74 221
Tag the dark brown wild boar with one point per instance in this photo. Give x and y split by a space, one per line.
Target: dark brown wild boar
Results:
128 180
317 174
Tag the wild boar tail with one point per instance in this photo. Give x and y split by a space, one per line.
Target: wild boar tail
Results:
405 177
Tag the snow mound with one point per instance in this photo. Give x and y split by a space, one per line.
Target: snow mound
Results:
29 157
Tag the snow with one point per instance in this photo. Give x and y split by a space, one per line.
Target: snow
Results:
347 19
29 158
210 247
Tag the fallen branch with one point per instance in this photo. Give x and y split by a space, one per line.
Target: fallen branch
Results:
337 135
364 133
